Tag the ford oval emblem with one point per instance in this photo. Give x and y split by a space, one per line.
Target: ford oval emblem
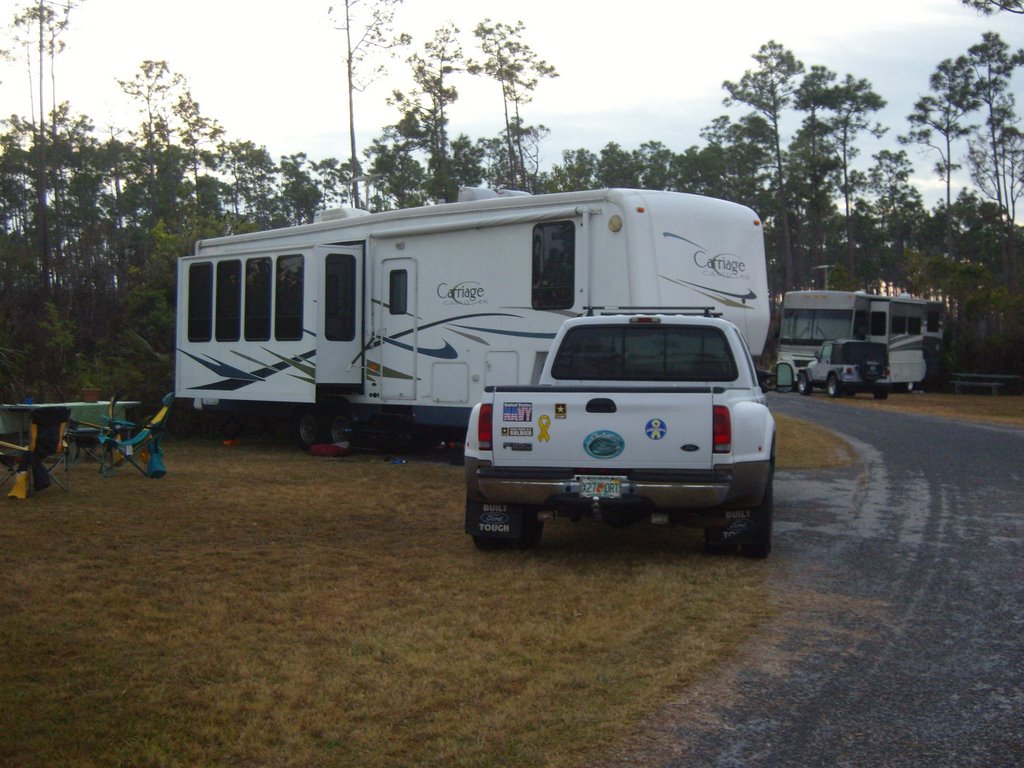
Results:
690 447
494 518
604 444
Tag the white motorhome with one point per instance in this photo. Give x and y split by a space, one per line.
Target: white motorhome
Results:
910 328
400 319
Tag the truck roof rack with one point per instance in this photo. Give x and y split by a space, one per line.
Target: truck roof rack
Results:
612 310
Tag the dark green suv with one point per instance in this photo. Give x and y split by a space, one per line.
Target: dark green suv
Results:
846 367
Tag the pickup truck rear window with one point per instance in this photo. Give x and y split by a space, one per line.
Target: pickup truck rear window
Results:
644 353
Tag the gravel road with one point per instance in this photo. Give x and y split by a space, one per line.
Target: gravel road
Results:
900 582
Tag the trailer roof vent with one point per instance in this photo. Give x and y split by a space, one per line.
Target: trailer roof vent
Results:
334 214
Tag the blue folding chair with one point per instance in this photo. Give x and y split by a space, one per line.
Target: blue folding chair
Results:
123 442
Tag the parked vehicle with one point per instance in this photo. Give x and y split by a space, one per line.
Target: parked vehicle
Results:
910 328
656 418
846 367
397 321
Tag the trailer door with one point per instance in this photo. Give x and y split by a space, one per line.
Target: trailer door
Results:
340 309
398 329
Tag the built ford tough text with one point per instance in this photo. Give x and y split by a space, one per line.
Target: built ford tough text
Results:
635 418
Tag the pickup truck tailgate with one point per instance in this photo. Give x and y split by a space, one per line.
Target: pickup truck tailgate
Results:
653 427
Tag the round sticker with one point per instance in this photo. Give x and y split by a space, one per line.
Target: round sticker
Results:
604 444
656 429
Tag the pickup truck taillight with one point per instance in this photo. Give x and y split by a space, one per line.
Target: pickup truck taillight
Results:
721 427
485 428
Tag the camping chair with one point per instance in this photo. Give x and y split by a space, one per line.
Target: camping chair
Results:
10 457
82 440
45 452
118 446
83 437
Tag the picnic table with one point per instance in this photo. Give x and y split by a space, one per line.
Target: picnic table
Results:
16 418
995 383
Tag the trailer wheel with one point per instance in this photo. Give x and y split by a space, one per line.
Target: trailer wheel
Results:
307 428
341 426
835 389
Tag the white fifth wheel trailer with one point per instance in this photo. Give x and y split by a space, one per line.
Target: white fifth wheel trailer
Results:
400 319
911 329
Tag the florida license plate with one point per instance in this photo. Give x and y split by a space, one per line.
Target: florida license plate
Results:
601 486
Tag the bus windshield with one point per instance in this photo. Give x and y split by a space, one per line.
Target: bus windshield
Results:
813 326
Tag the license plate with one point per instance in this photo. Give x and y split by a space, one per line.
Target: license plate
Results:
600 486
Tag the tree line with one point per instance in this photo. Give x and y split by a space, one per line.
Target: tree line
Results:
92 223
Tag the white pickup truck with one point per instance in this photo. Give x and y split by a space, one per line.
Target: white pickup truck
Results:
656 418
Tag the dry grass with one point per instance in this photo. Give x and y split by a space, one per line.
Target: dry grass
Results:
985 408
803 445
259 607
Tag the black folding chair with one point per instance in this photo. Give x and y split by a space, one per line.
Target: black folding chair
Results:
45 452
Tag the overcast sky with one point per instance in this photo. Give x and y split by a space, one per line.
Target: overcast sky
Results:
629 72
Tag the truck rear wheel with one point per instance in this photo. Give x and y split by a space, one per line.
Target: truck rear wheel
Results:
533 530
835 389
715 544
486 544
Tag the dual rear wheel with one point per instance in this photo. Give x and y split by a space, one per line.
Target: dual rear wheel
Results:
320 425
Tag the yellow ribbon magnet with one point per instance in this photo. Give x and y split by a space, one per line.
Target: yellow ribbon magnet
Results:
544 422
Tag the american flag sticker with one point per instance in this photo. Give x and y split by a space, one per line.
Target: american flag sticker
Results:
517 412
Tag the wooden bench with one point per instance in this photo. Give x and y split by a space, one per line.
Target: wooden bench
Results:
995 383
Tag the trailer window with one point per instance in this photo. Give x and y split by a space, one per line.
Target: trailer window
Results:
229 300
860 325
899 324
257 299
200 301
340 297
554 265
288 299
914 326
878 324
933 322
398 292
645 353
